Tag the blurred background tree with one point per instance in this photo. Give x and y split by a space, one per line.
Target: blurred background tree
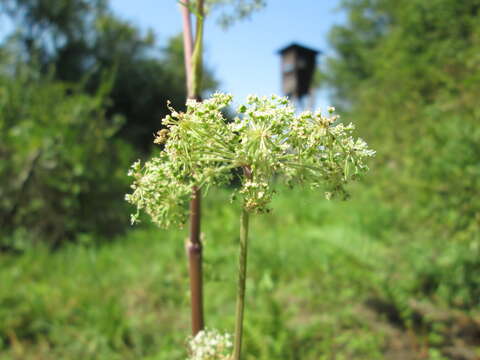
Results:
62 170
83 39
407 72
76 54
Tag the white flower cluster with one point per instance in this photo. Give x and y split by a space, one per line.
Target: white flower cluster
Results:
210 345
266 140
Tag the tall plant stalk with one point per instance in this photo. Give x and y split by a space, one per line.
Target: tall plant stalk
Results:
193 68
242 275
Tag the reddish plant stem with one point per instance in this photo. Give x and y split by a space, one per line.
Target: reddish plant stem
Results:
194 245
195 263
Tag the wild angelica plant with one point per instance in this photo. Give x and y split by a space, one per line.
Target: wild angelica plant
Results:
267 141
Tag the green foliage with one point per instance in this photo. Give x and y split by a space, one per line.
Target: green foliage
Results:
72 305
129 299
408 74
61 173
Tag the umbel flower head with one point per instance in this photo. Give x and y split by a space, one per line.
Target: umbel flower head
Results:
210 345
267 140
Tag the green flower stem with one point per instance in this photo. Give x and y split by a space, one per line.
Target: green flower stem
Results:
242 274
197 56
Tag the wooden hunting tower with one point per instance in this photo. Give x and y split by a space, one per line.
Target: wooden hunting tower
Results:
298 68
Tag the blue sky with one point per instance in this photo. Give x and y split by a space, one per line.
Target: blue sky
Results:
244 57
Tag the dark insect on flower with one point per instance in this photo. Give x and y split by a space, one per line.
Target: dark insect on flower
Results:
161 137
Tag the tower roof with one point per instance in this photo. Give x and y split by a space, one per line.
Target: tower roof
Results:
300 48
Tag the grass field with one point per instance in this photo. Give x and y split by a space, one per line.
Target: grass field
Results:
320 277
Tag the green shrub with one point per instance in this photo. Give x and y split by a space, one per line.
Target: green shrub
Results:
61 172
